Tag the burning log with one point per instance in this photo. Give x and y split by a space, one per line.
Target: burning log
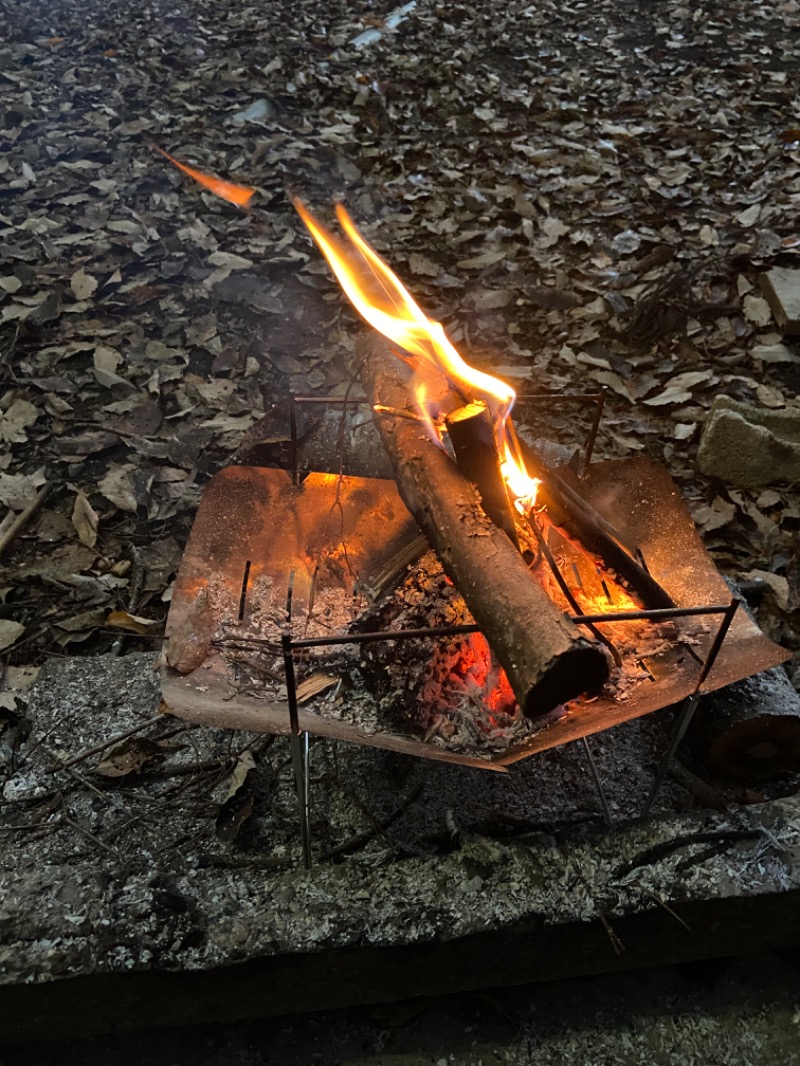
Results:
473 438
560 492
545 657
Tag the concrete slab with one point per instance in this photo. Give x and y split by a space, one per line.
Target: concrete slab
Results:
121 906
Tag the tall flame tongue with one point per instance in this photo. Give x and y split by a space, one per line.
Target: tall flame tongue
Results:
380 297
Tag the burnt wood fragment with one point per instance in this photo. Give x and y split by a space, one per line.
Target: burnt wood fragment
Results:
560 493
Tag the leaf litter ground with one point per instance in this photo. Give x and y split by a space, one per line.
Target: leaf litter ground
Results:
583 193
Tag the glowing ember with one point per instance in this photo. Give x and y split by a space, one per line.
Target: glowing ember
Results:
380 297
241 195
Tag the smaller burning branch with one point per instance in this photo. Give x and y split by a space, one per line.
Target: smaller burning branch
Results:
567 507
472 435
546 659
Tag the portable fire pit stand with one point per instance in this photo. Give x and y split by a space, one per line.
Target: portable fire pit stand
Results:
300 738
267 550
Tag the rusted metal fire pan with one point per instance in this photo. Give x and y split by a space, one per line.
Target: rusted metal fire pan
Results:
256 536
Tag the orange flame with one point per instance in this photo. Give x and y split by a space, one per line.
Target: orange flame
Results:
380 297
241 195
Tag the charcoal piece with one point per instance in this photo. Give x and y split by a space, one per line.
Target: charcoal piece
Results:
435 685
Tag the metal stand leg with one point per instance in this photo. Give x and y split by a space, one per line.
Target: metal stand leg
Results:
681 725
300 752
690 704
299 742
598 784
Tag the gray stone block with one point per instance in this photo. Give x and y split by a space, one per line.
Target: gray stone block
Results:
782 290
747 445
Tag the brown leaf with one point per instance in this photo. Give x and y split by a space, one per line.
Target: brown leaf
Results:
128 757
233 814
239 801
131 623
85 520
244 764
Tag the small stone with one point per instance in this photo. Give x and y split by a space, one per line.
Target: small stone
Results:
747 445
782 290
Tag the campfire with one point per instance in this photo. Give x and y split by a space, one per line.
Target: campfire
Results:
542 602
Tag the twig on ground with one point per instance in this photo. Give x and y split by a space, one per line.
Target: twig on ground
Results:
663 903
667 847
69 820
358 840
24 517
109 742
616 943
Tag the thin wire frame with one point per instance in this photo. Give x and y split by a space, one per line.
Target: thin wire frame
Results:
289 646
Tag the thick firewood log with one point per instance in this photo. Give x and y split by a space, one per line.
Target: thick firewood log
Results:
546 658
748 732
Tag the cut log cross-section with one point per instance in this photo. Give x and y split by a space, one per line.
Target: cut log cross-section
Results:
546 658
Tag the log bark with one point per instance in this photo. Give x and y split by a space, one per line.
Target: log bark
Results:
546 658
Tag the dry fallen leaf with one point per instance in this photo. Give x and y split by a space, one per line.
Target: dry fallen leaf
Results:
244 764
15 419
777 583
234 813
229 261
480 261
683 430
85 520
18 490
421 264
714 515
671 394
131 623
10 632
239 801
749 216
117 486
128 757
82 284
756 310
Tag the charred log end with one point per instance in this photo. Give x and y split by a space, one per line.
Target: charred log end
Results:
581 669
748 731
759 750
